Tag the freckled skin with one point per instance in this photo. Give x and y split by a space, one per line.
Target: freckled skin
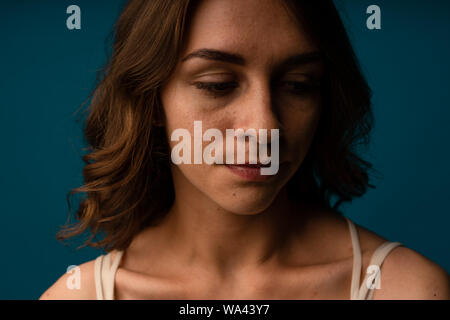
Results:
263 39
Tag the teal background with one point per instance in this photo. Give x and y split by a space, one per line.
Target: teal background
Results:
48 71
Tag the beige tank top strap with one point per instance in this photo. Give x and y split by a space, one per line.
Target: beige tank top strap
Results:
104 274
368 288
357 261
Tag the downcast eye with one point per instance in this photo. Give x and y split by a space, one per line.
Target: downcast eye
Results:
301 87
216 88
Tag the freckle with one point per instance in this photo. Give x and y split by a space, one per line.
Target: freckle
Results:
234 194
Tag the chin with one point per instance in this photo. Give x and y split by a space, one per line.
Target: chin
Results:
246 201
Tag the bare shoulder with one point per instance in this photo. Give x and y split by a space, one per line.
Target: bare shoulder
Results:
408 275
67 288
405 274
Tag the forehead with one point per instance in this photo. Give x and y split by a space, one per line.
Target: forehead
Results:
260 30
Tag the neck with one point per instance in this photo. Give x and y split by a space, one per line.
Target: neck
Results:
206 236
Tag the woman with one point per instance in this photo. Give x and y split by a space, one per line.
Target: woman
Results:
224 231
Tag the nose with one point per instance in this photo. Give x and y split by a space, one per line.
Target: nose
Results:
257 109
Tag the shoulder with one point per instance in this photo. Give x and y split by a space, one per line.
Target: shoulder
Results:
67 288
408 275
405 274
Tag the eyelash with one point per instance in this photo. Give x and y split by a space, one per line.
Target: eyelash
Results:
217 88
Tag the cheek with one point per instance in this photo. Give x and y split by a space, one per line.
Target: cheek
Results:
300 127
179 107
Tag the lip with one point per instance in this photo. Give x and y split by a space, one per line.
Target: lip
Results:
250 172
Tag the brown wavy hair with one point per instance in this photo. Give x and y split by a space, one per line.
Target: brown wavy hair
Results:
127 180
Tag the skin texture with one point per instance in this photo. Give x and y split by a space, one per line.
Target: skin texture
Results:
228 238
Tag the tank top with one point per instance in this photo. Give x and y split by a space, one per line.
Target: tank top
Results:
105 269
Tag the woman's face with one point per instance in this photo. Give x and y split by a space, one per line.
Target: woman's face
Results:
257 69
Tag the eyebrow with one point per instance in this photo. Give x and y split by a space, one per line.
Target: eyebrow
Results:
211 54
216 55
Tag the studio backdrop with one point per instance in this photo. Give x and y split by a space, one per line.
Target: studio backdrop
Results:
49 64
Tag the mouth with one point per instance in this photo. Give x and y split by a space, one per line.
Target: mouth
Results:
249 165
249 172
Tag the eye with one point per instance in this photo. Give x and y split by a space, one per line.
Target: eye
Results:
216 89
301 87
